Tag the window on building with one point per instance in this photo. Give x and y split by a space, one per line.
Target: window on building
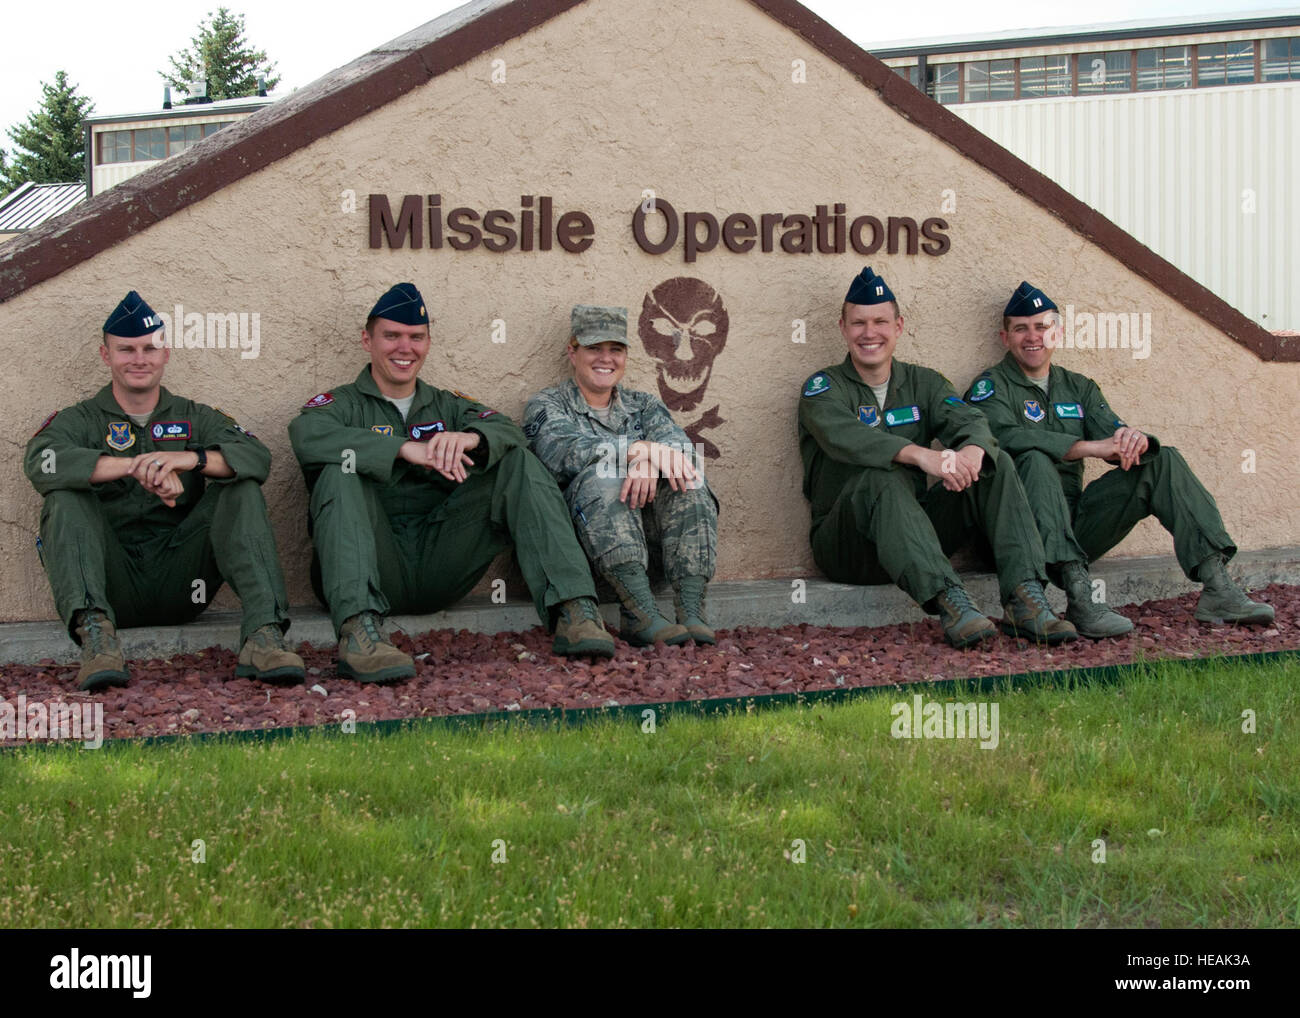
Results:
943 82
989 80
151 143
1104 73
1280 60
1044 76
1225 63
214 128
115 147
182 137
1164 67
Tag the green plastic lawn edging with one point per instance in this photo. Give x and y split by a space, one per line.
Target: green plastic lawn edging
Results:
663 711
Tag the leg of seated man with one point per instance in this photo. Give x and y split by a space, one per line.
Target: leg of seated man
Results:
516 502
1067 562
995 505
1165 487
876 532
356 570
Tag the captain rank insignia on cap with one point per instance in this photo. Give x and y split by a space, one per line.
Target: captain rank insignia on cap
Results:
1034 410
120 436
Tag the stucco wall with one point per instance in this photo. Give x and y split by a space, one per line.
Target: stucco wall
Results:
599 104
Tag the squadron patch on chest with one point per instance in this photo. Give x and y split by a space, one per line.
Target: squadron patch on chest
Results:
170 431
424 432
1034 410
120 436
1068 411
869 416
902 415
382 429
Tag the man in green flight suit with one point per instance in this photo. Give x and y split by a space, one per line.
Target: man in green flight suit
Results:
415 490
865 430
1050 420
150 502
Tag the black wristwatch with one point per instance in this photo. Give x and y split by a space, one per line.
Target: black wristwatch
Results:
202 454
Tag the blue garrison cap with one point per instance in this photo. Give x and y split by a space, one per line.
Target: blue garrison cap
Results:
132 317
402 304
1028 301
868 288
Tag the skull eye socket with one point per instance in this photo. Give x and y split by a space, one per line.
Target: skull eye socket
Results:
664 327
705 328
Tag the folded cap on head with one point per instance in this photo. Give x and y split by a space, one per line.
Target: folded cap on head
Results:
132 317
1027 301
591 324
868 288
402 304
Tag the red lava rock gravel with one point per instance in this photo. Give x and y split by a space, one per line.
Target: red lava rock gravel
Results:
469 673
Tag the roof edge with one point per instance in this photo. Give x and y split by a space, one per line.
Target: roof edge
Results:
379 77
1024 179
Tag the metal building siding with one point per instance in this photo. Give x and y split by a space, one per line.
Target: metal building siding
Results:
1177 170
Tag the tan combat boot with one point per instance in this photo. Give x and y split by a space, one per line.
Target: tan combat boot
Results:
580 631
1223 601
642 624
689 600
365 655
266 657
1029 615
102 663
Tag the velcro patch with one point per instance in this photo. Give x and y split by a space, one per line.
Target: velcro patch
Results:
457 392
321 399
424 432
869 416
486 413
903 415
1034 410
981 390
170 431
1068 411
120 436
954 401
816 385
382 429
535 425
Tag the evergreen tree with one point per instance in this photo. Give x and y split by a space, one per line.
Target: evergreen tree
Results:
50 147
222 56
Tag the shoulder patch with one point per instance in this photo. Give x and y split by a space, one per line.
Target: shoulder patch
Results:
224 414
45 424
321 399
486 413
816 385
534 426
981 390
457 392
954 401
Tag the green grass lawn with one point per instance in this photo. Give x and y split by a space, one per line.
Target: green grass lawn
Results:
701 823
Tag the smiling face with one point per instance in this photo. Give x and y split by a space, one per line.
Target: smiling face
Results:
135 364
597 369
871 332
1031 340
397 353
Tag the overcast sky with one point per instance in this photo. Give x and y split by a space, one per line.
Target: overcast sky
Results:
113 52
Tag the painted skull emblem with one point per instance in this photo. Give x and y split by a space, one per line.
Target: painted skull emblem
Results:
683 326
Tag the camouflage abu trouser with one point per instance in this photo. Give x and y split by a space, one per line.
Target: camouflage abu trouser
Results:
684 524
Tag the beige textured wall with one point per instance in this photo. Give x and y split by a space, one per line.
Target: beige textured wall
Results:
598 105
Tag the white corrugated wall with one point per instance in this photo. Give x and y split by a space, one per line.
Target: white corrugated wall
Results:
1207 178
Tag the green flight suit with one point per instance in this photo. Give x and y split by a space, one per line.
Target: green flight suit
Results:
588 458
393 537
874 520
118 548
1079 524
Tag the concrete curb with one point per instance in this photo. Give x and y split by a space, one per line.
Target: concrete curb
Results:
766 603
